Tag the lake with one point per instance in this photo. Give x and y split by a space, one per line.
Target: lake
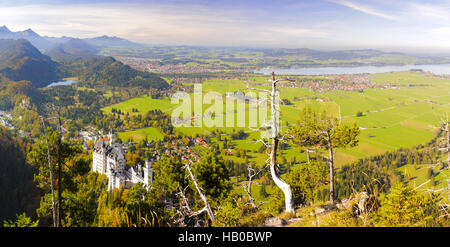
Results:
62 83
438 69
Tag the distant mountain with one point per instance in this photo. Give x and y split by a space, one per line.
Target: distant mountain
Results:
324 55
57 40
107 41
72 49
5 32
20 60
38 41
45 43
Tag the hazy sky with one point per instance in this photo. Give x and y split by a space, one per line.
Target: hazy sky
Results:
324 24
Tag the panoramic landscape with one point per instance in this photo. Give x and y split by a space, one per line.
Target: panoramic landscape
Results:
114 115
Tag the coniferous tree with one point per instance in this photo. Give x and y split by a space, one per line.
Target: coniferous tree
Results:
314 130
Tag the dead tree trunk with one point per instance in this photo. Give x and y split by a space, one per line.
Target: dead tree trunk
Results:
331 163
330 147
446 147
286 188
50 167
308 154
59 172
251 174
207 207
447 143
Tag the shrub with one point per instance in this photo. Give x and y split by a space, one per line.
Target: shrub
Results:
404 206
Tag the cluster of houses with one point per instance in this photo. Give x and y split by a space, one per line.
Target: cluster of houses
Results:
5 120
154 65
179 147
344 82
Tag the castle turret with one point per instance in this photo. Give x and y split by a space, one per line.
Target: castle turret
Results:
104 159
148 173
111 138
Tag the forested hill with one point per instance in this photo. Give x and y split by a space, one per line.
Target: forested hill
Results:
110 72
20 60
18 192
72 49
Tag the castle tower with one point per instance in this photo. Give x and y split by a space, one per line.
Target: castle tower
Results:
111 180
104 160
111 138
148 173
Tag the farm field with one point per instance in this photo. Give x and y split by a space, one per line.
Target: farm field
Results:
403 116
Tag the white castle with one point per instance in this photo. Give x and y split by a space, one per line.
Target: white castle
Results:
108 159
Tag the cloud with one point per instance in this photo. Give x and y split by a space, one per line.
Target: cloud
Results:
427 11
297 32
150 23
365 9
312 25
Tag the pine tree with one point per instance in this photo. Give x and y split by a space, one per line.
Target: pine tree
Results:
327 132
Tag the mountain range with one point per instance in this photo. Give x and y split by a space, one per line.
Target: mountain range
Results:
72 49
45 43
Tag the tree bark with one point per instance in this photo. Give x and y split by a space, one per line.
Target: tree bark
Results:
447 130
249 193
50 167
331 161
248 188
286 188
59 173
202 196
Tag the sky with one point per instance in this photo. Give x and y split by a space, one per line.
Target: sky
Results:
401 25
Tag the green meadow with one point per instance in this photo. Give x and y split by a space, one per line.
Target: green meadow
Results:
151 133
403 116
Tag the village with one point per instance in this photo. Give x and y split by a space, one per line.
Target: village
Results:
176 147
177 67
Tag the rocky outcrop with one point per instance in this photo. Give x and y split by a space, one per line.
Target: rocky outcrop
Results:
324 209
275 222
360 203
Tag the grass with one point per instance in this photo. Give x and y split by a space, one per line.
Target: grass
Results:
393 118
85 89
143 104
70 78
151 133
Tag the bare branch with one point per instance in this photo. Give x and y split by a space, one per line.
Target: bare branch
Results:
258 89
197 187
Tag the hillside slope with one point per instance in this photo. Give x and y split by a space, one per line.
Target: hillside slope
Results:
18 191
20 60
72 49
110 72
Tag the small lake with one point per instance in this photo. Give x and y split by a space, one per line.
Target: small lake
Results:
438 69
62 83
